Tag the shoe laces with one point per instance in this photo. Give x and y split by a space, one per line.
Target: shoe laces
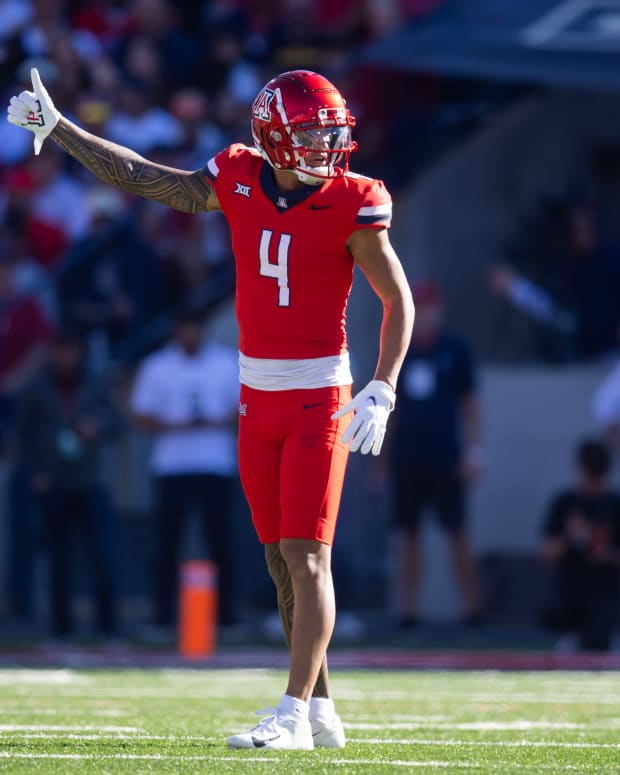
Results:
266 724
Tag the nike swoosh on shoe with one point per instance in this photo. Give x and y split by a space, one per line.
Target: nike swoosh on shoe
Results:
261 743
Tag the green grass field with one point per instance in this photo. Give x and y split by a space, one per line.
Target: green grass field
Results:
176 721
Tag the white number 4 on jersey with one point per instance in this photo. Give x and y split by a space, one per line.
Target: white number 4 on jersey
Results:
279 270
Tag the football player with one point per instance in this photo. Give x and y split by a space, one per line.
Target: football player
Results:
300 221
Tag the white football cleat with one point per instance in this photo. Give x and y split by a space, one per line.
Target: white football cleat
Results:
276 732
328 734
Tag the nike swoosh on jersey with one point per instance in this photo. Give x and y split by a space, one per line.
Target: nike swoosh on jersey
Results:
320 207
309 406
258 743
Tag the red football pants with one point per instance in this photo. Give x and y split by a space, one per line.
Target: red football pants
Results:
292 462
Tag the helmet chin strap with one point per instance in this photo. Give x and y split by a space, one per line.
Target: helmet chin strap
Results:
305 173
308 178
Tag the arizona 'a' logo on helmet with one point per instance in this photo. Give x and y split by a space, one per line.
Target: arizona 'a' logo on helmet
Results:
260 108
300 122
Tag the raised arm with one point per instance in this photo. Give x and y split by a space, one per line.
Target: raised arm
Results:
183 190
190 192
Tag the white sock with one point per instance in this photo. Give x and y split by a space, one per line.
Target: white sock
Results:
322 709
292 706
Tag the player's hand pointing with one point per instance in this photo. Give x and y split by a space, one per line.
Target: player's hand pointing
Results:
34 110
372 407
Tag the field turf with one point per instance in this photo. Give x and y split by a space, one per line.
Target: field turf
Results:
176 721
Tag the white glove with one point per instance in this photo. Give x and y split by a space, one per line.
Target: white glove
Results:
34 110
372 407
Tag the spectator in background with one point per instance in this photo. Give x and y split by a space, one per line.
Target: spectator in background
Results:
434 450
107 21
112 280
582 544
225 68
29 278
141 63
187 396
160 22
300 41
202 139
142 123
58 198
43 240
24 334
64 421
579 296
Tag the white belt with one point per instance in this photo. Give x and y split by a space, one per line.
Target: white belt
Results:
295 374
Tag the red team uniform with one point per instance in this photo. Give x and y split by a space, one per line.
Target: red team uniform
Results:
294 273
294 276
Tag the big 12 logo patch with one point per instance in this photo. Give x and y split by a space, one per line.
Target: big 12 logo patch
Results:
262 103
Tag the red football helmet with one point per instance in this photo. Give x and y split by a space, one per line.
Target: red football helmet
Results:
300 122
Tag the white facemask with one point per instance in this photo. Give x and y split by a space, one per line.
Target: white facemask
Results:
319 140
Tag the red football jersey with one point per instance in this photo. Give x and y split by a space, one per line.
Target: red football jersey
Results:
294 271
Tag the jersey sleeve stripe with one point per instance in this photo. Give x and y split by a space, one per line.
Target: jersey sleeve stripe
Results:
365 219
212 170
384 209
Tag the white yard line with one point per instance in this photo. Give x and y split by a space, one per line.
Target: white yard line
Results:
404 763
232 758
407 763
43 677
506 696
64 728
468 725
118 693
119 736
544 699
482 743
21 711
450 765
395 717
240 673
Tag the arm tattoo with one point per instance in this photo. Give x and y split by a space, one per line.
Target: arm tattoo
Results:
279 572
121 167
